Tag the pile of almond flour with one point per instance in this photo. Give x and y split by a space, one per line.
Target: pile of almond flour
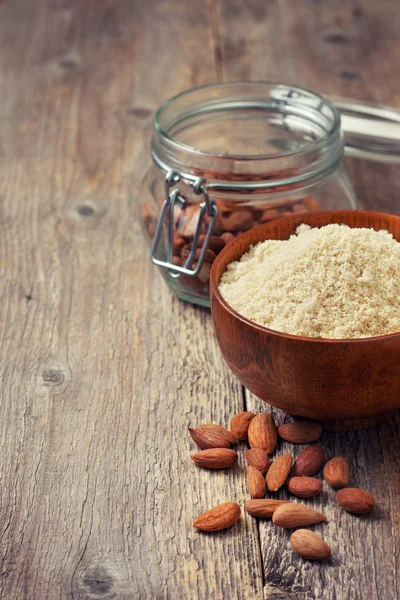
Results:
328 282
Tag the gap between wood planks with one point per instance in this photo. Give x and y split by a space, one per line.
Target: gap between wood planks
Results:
244 394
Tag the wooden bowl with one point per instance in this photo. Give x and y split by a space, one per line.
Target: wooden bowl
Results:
346 384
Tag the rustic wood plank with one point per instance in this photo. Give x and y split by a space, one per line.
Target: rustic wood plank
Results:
346 49
100 366
102 369
366 560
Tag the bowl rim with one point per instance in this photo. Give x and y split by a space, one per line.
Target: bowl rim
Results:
214 291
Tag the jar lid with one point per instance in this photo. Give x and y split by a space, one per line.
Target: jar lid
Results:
371 131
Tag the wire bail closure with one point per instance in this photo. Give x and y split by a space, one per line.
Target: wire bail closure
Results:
172 197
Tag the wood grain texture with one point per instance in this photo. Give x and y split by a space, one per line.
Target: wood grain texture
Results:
101 369
344 49
365 562
98 492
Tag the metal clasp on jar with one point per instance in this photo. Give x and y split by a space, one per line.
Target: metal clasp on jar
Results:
172 197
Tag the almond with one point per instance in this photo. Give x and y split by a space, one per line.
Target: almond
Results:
300 432
258 459
308 462
212 436
237 220
262 433
215 243
263 509
178 244
279 472
240 424
227 237
204 273
269 214
299 208
219 227
304 487
215 458
191 220
296 515
209 255
223 430
255 483
217 518
336 472
309 545
355 501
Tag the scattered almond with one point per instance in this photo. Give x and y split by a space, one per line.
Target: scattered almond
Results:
300 432
279 472
309 545
212 436
336 472
355 501
262 433
210 427
304 487
308 462
240 424
217 518
255 483
258 459
215 458
264 509
292 515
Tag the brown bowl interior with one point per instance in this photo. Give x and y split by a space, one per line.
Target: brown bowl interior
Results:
317 378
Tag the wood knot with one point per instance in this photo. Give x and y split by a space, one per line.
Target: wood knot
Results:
349 75
85 210
98 581
68 64
139 112
86 213
337 38
52 377
115 33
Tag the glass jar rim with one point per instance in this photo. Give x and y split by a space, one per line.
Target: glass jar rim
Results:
323 154
169 140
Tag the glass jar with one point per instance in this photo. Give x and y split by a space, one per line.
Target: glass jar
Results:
231 156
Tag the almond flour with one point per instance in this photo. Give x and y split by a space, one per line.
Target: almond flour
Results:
328 282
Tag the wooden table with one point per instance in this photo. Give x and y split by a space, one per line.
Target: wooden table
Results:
102 369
